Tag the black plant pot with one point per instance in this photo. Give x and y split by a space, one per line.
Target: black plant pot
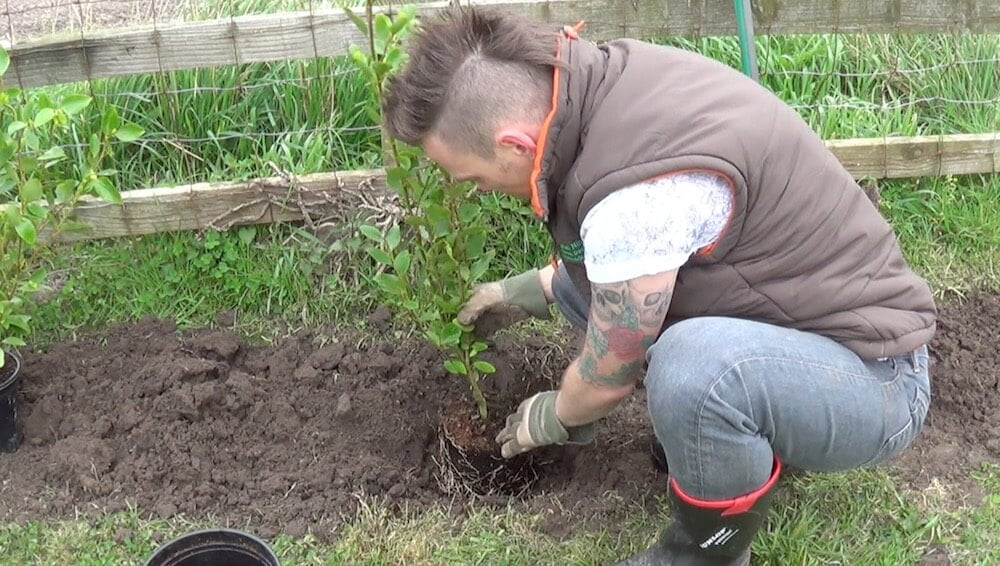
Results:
214 547
11 433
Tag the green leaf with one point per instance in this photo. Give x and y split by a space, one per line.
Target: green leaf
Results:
129 133
451 334
94 146
475 244
28 163
105 190
358 21
65 191
380 256
456 366
30 141
403 18
468 212
53 153
31 190
19 321
393 237
25 228
390 283
75 103
404 161
37 210
395 59
75 226
394 178
12 341
247 234
411 305
15 127
383 32
484 366
433 336
371 233
439 218
4 60
402 263
110 122
479 267
478 347
12 212
7 149
358 56
44 116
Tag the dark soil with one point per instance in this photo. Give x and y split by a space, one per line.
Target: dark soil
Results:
962 430
205 424
288 437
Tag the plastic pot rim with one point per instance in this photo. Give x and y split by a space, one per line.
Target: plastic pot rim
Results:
17 370
271 556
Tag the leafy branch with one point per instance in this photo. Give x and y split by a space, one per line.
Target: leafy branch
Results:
40 186
428 266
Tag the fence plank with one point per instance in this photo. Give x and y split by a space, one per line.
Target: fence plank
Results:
300 35
922 156
221 205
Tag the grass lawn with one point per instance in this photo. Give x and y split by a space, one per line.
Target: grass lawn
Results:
309 116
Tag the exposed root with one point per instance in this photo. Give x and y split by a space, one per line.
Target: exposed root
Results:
458 473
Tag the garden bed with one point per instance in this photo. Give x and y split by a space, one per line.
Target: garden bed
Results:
290 437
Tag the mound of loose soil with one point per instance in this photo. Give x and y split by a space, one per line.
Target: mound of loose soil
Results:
290 436
285 437
961 431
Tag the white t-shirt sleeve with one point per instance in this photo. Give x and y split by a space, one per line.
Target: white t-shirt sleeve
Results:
654 226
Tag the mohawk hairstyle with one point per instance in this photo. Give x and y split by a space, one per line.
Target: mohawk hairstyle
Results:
468 71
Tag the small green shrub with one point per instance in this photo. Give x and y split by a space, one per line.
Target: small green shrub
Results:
429 264
40 185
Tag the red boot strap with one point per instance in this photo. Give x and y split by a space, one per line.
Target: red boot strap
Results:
736 505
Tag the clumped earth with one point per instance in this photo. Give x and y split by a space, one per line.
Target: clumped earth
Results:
960 433
289 437
286 437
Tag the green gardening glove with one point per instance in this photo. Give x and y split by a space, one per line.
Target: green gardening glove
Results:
535 424
499 304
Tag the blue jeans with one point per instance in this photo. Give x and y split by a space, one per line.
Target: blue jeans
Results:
727 395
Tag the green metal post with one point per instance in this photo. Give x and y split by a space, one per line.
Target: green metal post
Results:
744 28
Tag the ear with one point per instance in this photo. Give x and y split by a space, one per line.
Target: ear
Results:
520 141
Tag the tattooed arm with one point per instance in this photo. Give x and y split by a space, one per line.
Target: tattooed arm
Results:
625 320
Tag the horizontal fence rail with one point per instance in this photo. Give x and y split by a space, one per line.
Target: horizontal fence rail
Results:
223 205
323 33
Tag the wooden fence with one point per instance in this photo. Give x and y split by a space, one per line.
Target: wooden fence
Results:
221 205
324 33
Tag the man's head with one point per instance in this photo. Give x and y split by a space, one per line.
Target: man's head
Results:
474 94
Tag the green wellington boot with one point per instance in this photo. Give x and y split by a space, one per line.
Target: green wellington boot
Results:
709 533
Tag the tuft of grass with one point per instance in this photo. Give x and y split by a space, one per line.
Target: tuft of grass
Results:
949 229
230 123
856 518
272 277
